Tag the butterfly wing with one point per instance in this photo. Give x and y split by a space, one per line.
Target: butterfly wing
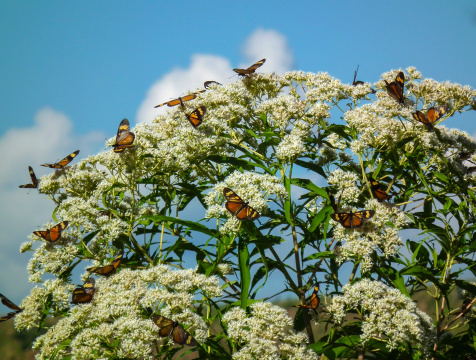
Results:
182 337
8 303
251 69
314 301
238 207
52 234
166 325
395 88
124 127
9 316
108 269
63 162
419 116
34 180
196 116
378 192
84 294
123 141
207 84
436 112
360 217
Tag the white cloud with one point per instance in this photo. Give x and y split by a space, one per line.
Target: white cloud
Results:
50 139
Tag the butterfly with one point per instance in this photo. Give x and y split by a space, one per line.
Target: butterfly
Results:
358 82
433 114
378 192
196 116
172 329
12 306
108 269
251 69
124 137
84 294
181 100
52 234
313 302
34 180
61 164
238 207
395 88
207 84
353 220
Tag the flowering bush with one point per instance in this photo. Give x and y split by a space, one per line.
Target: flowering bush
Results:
318 161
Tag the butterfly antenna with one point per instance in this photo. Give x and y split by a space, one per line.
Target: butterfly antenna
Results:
355 73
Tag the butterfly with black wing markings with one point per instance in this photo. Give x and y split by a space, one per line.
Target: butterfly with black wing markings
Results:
108 269
53 234
395 88
377 191
34 180
12 306
124 137
175 331
238 207
433 114
84 294
180 100
314 300
251 69
350 220
61 164
196 116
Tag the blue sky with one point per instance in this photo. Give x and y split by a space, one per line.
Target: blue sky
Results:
70 71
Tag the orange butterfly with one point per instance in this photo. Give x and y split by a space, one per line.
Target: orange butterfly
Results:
196 116
61 164
434 114
251 69
353 220
238 207
34 180
108 269
377 191
176 332
181 100
395 88
124 137
12 306
52 234
313 302
84 294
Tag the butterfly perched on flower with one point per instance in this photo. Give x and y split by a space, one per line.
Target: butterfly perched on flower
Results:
181 100
251 69
238 207
84 294
395 88
172 329
352 220
358 82
433 114
207 84
108 269
314 300
61 164
12 306
34 180
52 234
196 116
377 191
124 137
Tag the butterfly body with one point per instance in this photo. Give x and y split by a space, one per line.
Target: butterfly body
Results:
238 207
61 164
180 100
174 330
196 116
84 294
108 269
251 69
124 137
433 114
395 88
12 306
34 180
53 234
352 220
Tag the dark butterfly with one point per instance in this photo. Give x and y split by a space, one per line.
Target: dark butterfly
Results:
353 220
251 69
238 207
84 294
108 269
52 234
196 116
207 84
12 306
434 113
313 302
358 82
378 192
34 180
395 88
181 100
124 137
332 200
172 329
61 164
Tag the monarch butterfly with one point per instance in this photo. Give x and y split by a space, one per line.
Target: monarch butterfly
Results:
238 207
395 88
358 82
124 137
353 220
433 114
172 329
108 269
34 180
84 294
251 69
207 84
52 234
196 116
314 300
378 192
12 306
181 100
61 164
